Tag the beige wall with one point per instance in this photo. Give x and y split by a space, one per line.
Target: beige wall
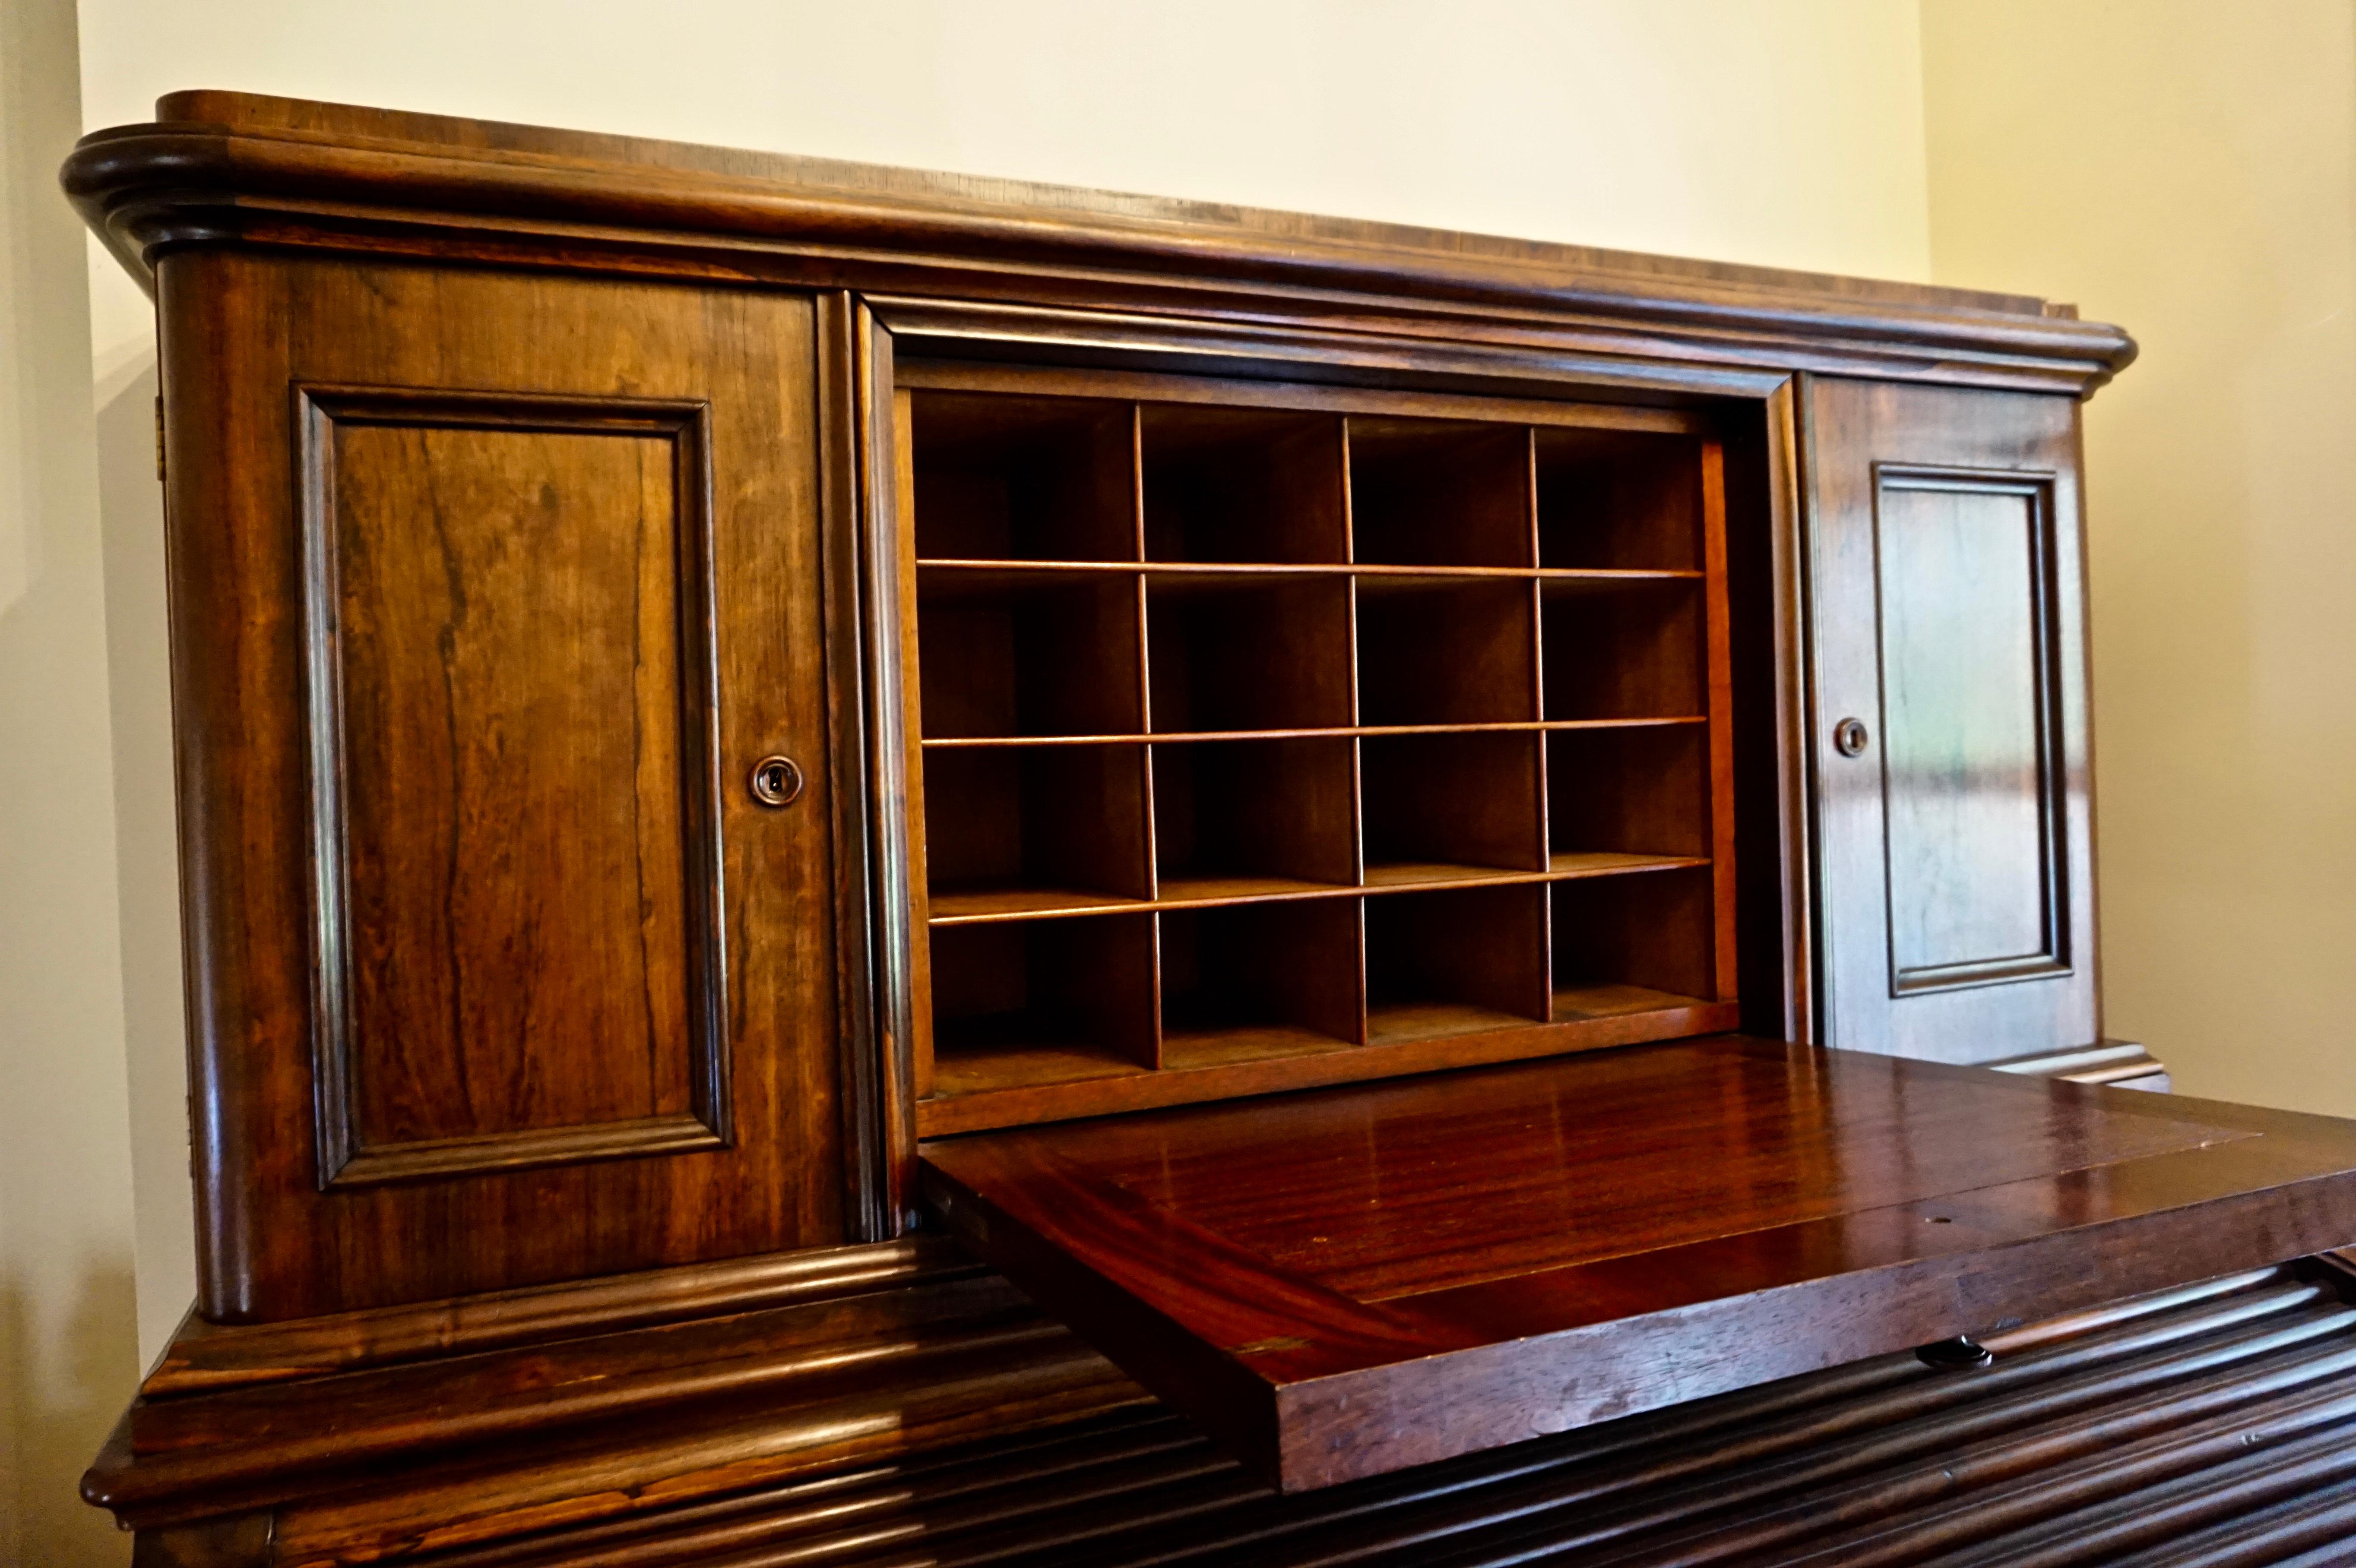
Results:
2188 169
67 1344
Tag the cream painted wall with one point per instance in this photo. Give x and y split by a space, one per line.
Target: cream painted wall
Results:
2188 169
67 1336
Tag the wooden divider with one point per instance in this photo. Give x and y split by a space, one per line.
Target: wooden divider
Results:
1267 745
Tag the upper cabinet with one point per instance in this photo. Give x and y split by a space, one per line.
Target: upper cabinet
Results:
1949 751
493 592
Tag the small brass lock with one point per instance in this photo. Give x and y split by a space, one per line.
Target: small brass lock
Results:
776 781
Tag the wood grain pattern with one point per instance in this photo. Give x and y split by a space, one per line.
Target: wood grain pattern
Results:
511 679
1957 848
1348 1283
238 330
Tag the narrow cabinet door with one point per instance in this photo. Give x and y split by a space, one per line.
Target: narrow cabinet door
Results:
1949 738
501 687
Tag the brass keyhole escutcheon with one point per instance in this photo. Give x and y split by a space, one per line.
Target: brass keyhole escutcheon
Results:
1849 737
776 781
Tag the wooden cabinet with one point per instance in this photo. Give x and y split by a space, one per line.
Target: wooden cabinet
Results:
1271 735
802 782
501 973
1951 751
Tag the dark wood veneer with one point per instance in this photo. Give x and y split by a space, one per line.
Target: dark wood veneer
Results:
473 753
1347 1282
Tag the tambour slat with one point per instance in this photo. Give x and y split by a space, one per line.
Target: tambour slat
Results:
2213 1425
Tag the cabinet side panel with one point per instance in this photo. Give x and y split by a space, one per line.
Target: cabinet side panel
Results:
488 593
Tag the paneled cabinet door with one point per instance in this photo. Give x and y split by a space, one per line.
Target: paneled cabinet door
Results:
492 593
1950 721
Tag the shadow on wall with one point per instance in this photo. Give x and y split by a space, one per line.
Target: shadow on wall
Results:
138 667
64 1382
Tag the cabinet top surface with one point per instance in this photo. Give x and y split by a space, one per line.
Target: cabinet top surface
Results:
1647 1214
217 165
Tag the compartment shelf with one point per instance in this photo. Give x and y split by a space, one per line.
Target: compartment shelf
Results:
1017 653
1236 818
1252 981
1619 498
1467 799
1630 790
1242 655
1042 1003
1455 963
1633 944
1440 493
1446 651
1035 828
1240 486
1633 650
1024 478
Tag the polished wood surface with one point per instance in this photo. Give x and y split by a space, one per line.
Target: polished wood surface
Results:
510 760
2212 1418
398 1432
1957 839
474 650
1346 1282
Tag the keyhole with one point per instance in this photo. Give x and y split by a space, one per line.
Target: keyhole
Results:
776 781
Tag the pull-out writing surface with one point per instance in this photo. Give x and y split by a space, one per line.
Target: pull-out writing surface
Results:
1353 1280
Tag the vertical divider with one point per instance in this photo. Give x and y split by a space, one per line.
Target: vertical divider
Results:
1530 492
1357 746
1538 711
1721 713
1356 963
920 957
1357 904
1152 978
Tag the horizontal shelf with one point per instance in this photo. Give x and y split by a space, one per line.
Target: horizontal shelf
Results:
1193 1051
1563 865
1179 892
1222 1064
957 905
968 1069
1014 569
1575 1003
1370 731
968 906
1433 1020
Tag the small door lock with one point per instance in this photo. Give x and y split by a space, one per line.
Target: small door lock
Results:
1849 737
776 781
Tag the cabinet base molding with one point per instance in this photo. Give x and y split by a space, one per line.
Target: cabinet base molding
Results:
2219 1412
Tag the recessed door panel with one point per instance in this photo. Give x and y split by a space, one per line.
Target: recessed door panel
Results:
1966 786
1948 727
510 637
